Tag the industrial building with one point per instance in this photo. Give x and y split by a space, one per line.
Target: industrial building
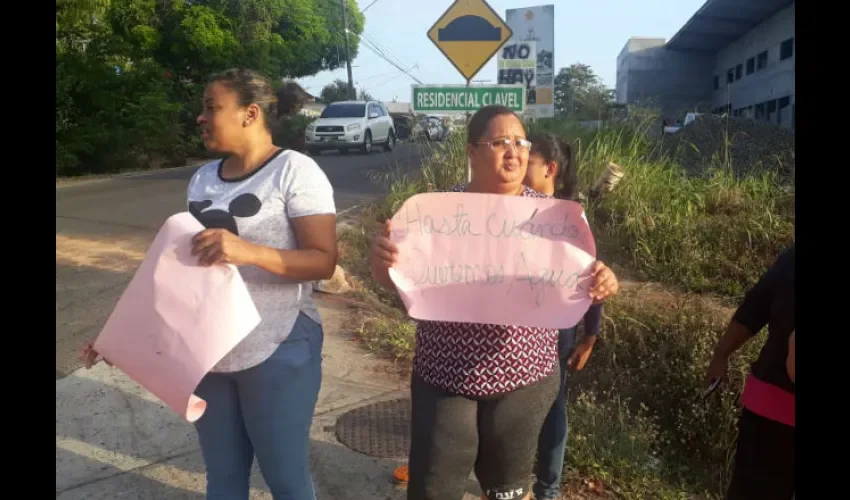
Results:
733 56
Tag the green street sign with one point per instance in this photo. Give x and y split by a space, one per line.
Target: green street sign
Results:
460 98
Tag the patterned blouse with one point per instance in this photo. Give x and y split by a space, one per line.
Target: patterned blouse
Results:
475 360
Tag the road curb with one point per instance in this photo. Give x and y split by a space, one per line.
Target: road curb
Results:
71 182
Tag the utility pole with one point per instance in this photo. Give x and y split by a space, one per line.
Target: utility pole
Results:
468 160
347 56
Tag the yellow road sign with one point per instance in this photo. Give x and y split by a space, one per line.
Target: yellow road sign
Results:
469 33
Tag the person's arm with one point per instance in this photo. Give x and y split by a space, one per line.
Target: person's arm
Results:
592 320
750 317
581 353
316 257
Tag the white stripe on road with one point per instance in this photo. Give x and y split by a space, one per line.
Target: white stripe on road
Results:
157 471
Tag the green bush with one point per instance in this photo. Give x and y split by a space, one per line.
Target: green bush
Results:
655 351
111 118
713 233
290 130
614 441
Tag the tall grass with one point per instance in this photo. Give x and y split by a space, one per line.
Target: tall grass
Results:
712 233
654 351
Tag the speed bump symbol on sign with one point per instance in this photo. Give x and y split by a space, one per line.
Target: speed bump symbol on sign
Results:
469 34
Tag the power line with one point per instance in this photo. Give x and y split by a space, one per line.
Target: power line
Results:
387 81
368 78
368 43
371 4
371 38
369 46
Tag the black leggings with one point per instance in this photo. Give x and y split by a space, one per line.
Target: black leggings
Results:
497 436
764 460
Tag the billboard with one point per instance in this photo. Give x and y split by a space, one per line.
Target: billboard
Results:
536 24
517 64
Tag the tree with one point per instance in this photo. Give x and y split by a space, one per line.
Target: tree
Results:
338 91
112 55
334 92
580 95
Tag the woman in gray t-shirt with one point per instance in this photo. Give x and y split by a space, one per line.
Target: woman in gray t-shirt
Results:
271 213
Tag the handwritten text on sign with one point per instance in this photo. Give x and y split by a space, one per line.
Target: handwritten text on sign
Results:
485 258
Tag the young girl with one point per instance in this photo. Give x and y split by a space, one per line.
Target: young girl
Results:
552 171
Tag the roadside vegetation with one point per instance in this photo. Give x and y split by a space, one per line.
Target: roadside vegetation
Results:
130 74
690 246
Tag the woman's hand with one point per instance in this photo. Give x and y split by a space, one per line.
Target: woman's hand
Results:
89 356
605 282
581 353
717 369
220 246
384 251
383 256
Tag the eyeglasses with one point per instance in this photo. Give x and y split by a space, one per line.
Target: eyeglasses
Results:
503 144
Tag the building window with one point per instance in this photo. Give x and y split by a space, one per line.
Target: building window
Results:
739 70
751 65
771 111
730 75
786 49
761 60
716 82
783 115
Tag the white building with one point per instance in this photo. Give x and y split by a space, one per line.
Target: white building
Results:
731 56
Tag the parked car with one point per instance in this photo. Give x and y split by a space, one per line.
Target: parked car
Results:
347 125
431 128
689 118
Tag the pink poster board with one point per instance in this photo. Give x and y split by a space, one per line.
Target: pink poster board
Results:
177 319
486 258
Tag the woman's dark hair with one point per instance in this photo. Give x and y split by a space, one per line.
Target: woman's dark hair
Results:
477 126
252 88
291 98
553 148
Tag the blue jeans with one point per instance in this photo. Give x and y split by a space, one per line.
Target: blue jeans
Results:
265 410
552 442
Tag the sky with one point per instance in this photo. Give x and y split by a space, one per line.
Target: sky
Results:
591 32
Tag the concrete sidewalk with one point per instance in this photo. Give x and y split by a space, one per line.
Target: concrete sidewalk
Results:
115 440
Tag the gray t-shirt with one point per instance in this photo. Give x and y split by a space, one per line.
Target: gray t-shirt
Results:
257 207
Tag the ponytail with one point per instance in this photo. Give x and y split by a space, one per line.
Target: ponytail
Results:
566 181
554 149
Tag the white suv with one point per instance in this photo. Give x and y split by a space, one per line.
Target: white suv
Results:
347 125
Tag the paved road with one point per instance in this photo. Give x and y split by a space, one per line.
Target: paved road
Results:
103 228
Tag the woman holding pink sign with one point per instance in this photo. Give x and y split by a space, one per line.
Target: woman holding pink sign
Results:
270 212
480 392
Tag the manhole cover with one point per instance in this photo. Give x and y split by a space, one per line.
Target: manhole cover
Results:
379 429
